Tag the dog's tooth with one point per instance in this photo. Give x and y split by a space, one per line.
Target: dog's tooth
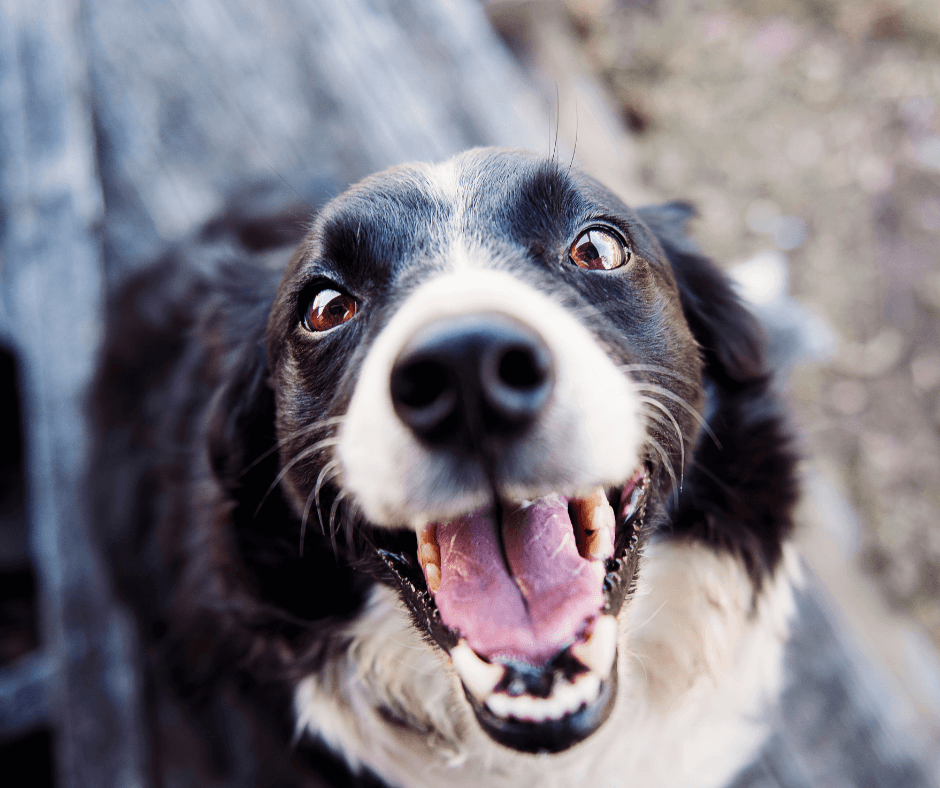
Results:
429 553
598 650
595 525
478 676
599 545
602 518
426 533
499 704
432 573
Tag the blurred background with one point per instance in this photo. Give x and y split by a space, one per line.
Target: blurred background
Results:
807 134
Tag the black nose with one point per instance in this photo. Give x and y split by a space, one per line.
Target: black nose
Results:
463 380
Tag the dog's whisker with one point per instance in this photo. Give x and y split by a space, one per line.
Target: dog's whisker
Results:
336 502
640 662
327 472
314 497
656 612
303 522
652 388
300 456
299 432
659 405
667 463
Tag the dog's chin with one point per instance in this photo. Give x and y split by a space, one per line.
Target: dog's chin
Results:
527 612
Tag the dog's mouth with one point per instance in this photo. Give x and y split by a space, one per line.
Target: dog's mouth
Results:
525 602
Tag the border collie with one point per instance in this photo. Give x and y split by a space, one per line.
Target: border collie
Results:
483 482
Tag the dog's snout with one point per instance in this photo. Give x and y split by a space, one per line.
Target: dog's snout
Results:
462 380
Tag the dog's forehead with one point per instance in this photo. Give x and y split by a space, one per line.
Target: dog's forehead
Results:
483 198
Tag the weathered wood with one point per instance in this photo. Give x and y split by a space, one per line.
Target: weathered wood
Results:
24 694
832 728
52 281
195 100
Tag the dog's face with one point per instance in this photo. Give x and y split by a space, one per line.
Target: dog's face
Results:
482 368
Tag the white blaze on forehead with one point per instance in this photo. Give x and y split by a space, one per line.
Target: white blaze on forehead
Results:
444 182
588 434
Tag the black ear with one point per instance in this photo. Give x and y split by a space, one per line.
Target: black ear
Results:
740 485
730 337
239 422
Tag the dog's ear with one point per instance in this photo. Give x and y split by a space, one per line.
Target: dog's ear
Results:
730 337
240 418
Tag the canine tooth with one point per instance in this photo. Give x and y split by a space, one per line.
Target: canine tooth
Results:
599 545
429 553
478 676
595 524
597 652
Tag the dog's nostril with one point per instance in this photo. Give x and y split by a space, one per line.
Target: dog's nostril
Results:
523 368
419 384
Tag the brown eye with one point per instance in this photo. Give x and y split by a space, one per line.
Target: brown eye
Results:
329 309
598 250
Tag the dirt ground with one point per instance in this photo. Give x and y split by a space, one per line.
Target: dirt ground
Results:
813 128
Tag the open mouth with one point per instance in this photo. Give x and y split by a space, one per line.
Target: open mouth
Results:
525 602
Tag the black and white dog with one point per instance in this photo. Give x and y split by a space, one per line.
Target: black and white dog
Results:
489 486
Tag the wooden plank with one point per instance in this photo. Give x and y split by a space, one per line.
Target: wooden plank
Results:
52 282
233 92
25 694
832 728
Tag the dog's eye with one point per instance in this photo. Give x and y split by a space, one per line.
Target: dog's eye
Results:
328 309
598 250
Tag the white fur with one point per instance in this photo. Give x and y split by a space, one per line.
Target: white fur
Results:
698 671
589 433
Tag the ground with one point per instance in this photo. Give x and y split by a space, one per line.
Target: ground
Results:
813 128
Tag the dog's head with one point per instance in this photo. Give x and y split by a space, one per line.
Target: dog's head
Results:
484 370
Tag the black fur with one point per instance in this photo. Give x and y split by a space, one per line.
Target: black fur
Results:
193 395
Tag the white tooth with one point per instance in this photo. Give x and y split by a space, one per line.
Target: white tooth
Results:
597 652
554 709
478 676
589 687
498 704
538 711
565 695
523 707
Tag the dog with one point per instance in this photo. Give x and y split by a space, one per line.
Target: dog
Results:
478 480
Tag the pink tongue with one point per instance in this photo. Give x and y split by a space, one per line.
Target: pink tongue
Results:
479 599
